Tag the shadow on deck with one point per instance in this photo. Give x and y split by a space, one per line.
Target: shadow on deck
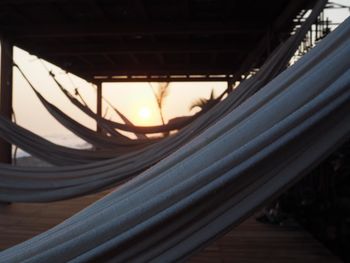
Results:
249 242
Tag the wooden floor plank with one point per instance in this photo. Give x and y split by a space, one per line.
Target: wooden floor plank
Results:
249 242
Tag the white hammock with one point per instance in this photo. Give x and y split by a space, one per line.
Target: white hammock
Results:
202 190
48 184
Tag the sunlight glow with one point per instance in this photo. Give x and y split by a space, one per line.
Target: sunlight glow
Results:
144 113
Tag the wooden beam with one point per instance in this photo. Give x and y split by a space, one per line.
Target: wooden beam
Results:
185 7
288 11
6 2
109 59
139 8
58 7
160 58
156 70
142 48
96 8
85 61
99 104
133 58
253 58
230 83
131 79
6 95
20 15
149 28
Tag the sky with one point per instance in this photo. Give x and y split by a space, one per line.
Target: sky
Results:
129 98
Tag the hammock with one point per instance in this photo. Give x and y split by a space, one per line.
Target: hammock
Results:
48 184
101 140
108 124
50 152
59 155
101 122
176 208
140 136
90 135
96 139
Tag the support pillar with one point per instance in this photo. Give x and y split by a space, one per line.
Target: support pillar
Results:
6 95
99 104
229 85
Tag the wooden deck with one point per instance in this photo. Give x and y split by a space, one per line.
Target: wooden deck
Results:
249 242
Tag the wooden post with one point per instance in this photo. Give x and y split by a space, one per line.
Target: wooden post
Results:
6 95
229 85
99 104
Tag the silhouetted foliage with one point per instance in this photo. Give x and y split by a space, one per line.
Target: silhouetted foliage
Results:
205 104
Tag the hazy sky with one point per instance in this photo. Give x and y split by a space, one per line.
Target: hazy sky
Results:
128 98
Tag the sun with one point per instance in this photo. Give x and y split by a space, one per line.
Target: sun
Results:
144 113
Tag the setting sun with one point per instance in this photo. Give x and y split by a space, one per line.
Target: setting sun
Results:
144 113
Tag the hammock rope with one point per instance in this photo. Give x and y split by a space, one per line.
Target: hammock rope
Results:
174 125
96 139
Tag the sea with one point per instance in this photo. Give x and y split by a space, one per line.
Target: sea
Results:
68 140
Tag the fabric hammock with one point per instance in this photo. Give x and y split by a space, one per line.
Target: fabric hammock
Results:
274 66
48 184
102 140
112 125
101 122
128 122
59 155
51 152
94 138
178 206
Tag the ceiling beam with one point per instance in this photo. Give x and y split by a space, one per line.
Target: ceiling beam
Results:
102 49
97 10
6 2
163 79
139 8
107 29
147 71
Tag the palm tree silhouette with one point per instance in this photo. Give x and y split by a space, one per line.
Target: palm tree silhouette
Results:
205 104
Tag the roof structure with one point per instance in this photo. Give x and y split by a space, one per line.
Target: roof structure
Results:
139 40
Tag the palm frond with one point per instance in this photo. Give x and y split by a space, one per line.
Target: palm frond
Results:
203 103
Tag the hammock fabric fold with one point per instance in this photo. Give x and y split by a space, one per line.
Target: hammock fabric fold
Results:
117 167
110 126
199 192
273 66
51 152
94 138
